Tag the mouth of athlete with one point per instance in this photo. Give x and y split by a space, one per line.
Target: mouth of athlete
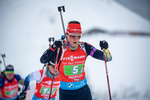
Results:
75 42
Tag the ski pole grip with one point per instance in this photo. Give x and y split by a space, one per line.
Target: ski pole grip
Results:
3 55
51 39
61 8
63 37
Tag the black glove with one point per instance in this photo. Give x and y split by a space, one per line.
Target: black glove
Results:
22 95
57 44
19 89
103 44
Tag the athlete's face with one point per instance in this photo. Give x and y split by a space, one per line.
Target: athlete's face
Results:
73 38
52 69
9 76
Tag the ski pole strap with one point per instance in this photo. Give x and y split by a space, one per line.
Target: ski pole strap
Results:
107 55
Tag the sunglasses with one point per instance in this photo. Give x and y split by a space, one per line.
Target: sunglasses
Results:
74 36
9 74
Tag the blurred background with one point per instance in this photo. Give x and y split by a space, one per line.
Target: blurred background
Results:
26 25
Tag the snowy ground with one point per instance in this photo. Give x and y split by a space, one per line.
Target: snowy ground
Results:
26 25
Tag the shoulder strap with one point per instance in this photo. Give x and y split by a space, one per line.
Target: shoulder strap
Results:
16 78
3 81
63 51
82 46
44 71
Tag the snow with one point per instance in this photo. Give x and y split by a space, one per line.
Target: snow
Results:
128 71
26 25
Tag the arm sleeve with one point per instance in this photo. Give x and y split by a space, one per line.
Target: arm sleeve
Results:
1 82
47 55
19 79
94 52
50 53
33 76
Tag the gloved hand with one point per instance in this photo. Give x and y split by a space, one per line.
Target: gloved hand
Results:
57 44
103 44
22 95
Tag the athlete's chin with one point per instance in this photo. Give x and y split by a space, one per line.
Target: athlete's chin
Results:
74 44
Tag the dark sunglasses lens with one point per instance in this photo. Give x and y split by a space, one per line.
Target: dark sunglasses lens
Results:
72 36
79 37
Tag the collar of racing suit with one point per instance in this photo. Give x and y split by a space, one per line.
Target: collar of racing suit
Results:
49 74
70 47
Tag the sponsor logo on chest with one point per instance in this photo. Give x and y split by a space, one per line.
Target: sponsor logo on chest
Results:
50 82
72 58
11 86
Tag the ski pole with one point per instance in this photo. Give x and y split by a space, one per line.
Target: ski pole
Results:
51 39
0 66
54 73
60 9
3 56
28 94
107 74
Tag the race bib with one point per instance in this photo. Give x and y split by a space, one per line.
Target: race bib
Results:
12 92
47 90
73 69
